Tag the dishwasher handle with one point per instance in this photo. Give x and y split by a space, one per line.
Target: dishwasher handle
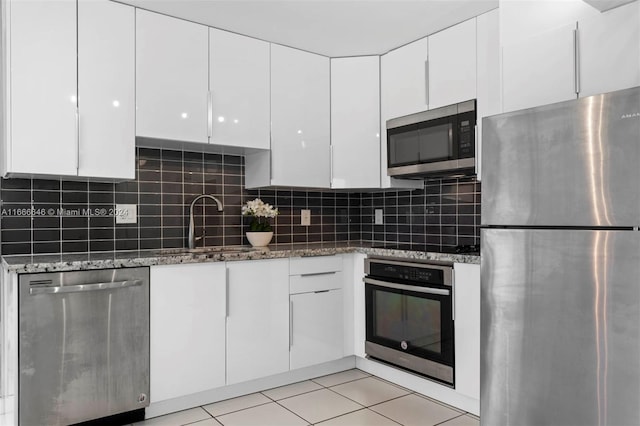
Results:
84 287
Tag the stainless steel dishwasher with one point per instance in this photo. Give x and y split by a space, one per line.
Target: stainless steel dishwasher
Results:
83 345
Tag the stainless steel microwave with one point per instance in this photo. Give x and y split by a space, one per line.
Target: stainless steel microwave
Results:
438 142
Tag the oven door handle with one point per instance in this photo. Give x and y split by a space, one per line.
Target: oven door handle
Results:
417 289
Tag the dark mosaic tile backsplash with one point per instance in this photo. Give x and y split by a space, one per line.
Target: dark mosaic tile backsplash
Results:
58 216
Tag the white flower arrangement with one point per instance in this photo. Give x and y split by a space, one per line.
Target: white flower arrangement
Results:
259 212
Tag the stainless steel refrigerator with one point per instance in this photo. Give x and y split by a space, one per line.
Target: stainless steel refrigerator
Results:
560 310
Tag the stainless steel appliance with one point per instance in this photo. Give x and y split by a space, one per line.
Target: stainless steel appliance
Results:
83 345
561 264
409 315
438 142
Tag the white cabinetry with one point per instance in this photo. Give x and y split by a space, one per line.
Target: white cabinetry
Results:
300 128
355 122
316 310
609 50
488 75
403 91
69 90
467 329
452 65
239 81
172 78
404 80
106 89
597 54
258 319
539 70
188 307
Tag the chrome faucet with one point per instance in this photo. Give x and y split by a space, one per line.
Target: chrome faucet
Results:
192 237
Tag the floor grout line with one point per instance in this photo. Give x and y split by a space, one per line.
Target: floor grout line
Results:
448 420
295 414
235 411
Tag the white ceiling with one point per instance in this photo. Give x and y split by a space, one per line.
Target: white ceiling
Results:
329 27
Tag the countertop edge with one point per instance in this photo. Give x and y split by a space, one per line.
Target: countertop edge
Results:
35 264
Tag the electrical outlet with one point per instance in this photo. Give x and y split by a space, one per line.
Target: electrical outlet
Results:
305 217
378 217
126 213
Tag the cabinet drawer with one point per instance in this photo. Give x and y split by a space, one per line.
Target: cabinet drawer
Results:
317 282
315 265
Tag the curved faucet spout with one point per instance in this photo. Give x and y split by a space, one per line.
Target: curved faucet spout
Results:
192 237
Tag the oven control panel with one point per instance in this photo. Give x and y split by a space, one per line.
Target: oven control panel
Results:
416 273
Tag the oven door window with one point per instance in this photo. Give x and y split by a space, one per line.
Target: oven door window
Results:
413 322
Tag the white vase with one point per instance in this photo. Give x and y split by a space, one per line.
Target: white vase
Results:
259 239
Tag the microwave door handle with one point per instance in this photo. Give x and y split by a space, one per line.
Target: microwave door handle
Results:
476 155
451 142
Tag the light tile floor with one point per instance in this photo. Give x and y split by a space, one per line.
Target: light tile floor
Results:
349 398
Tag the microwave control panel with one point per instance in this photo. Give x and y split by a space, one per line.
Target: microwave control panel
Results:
466 137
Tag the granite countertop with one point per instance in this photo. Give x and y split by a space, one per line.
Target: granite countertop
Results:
123 259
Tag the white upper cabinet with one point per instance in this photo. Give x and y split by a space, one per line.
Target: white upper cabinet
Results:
403 91
355 122
403 80
452 65
488 75
106 88
239 78
594 53
609 50
300 127
43 126
539 70
172 78
70 98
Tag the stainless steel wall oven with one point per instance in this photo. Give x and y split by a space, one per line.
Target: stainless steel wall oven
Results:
410 317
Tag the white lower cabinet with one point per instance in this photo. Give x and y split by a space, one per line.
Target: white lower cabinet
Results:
316 311
316 328
467 328
258 319
187 329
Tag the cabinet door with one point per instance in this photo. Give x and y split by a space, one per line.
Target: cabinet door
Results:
609 51
258 319
403 91
106 88
467 329
539 70
452 65
355 122
188 307
43 88
316 328
239 81
403 80
488 77
300 109
172 78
